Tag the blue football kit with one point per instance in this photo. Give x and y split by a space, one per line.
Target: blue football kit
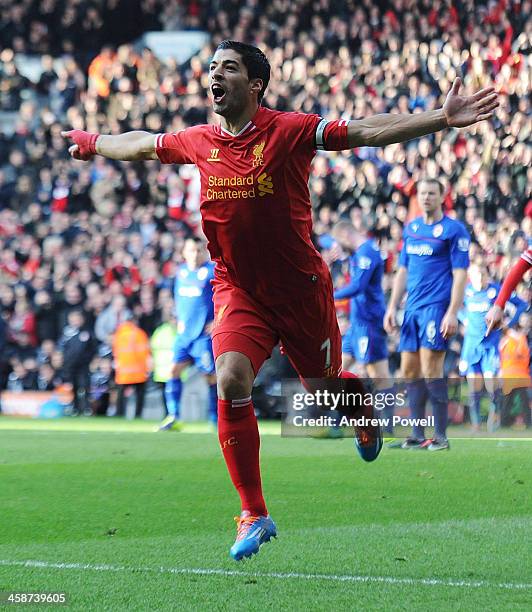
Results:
365 339
195 310
480 353
430 253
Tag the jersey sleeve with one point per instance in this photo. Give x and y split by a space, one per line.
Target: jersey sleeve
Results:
527 256
361 274
300 130
511 281
315 133
332 135
519 305
460 242
178 147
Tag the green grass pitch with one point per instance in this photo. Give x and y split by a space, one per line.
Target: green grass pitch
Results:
121 518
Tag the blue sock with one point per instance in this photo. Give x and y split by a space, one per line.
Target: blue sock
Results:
437 389
474 406
417 398
213 404
389 408
172 391
496 399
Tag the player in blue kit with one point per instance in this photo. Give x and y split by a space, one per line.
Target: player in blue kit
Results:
432 267
365 340
195 314
479 360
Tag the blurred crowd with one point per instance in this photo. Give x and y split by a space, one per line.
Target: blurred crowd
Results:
84 247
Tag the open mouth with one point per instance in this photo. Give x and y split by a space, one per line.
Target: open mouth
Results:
218 93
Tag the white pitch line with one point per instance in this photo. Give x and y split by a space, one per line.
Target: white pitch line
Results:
104 567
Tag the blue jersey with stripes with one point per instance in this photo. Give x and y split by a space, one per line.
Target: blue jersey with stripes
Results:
430 253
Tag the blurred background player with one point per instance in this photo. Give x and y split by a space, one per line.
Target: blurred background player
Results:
365 340
432 267
193 343
162 343
479 360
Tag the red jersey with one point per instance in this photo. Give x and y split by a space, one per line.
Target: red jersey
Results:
255 202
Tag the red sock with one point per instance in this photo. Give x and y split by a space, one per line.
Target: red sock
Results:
357 387
344 374
239 438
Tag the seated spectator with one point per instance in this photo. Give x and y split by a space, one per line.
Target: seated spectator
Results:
45 378
101 385
20 378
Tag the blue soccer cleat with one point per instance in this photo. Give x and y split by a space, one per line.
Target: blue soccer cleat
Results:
368 438
252 533
368 442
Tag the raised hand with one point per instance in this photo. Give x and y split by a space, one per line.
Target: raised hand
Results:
84 147
461 111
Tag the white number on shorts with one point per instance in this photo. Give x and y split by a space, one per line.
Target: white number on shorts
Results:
327 347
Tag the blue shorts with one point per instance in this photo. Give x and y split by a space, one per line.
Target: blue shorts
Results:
479 359
366 343
199 351
421 328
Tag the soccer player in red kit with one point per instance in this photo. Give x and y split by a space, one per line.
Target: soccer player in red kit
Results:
270 283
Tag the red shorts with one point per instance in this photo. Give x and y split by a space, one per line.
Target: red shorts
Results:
307 328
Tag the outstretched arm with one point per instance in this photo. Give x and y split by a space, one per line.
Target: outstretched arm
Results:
457 111
357 284
130 146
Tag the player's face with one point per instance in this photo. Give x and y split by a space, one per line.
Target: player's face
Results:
229 84
429 197
191 254
478 277
345 239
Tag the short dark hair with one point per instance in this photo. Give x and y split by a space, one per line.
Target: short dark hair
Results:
254 60
432 181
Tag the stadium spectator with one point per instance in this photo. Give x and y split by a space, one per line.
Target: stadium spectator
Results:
132 360
101 385
78 347
45 378
108 322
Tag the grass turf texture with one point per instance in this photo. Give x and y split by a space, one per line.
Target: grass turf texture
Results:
136 507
